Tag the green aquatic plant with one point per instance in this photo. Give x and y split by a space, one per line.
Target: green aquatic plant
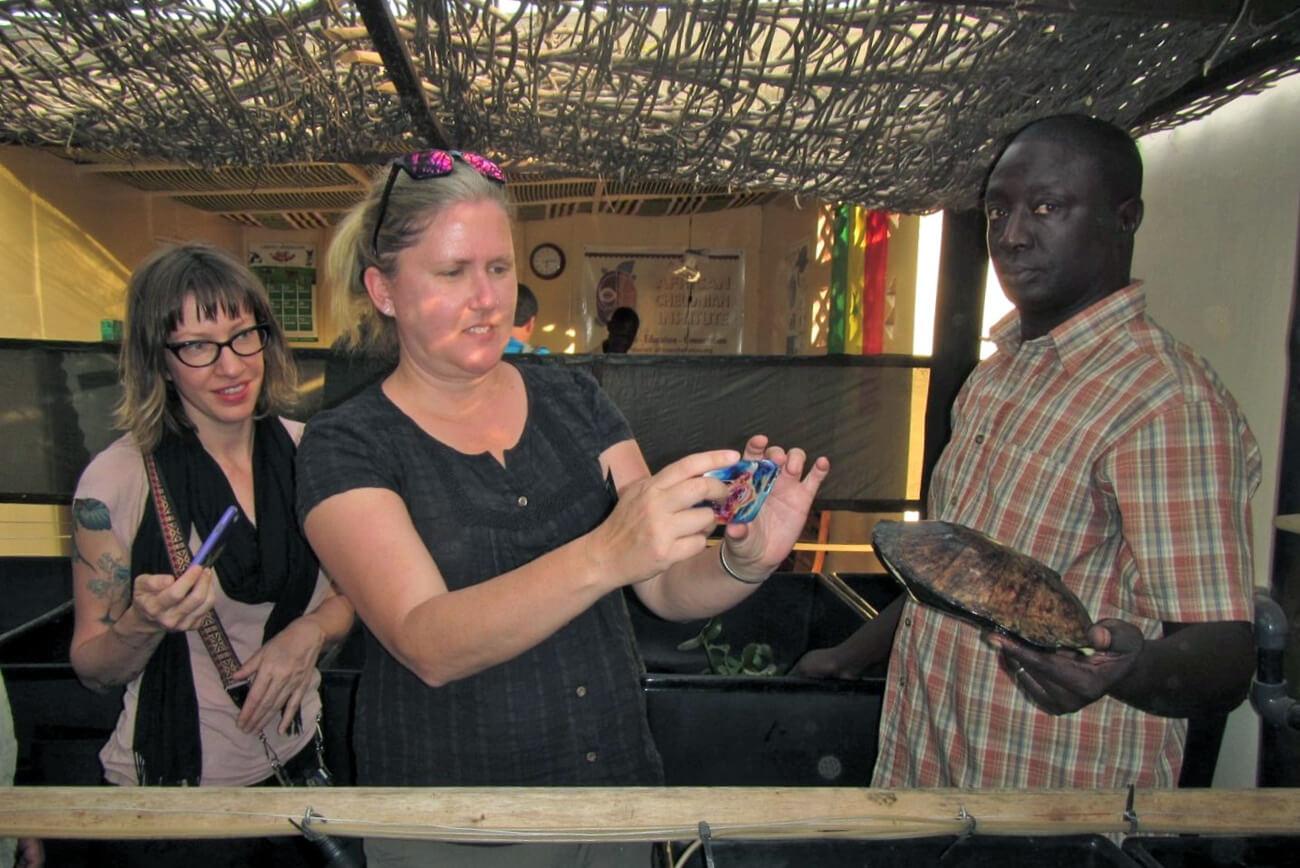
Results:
755 658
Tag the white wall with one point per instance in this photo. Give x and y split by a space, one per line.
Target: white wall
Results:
1218 251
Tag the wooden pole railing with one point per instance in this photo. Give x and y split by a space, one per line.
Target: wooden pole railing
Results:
635 814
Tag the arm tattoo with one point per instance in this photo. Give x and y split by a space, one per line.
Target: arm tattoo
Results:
113 585
112 582
90 514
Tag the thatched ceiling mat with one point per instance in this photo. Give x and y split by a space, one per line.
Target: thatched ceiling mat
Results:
883 102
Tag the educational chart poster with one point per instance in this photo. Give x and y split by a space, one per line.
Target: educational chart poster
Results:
289 273
689 302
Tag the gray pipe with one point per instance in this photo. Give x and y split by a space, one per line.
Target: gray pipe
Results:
1268 689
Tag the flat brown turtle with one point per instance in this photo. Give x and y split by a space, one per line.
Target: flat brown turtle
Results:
968 574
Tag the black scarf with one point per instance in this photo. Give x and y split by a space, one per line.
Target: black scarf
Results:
267 562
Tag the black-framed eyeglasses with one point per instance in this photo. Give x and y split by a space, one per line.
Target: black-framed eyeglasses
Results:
201 354
435 163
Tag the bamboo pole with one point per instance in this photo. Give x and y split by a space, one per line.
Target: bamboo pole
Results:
634 814
847 595
821 546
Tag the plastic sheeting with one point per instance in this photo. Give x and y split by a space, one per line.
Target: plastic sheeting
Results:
855 411
58 401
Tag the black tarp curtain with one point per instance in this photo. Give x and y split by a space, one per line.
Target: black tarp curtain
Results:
57 404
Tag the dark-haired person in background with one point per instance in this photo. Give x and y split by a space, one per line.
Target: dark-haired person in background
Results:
623 326
1096 443
521 336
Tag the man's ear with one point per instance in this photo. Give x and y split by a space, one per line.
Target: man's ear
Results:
1130 215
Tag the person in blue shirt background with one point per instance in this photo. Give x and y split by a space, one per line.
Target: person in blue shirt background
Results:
525 320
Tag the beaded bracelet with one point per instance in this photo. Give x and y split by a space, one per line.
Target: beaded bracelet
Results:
722 557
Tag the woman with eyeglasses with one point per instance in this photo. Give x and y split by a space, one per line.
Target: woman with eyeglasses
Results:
484 516
205 368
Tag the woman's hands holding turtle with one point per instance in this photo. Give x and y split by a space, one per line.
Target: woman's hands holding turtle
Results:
666 518
757 548
661 519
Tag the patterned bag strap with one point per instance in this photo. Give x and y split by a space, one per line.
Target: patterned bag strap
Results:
210 629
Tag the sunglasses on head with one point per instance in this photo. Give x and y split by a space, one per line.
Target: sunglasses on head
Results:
431 164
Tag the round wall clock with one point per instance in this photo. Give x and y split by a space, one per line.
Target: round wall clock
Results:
547 261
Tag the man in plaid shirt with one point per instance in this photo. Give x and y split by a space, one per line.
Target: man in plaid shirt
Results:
1096 443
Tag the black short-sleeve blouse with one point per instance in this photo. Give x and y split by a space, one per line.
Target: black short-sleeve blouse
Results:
567 712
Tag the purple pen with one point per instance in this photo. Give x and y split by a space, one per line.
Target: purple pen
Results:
210 549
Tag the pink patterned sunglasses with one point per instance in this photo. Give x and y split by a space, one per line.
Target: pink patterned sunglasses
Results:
431 164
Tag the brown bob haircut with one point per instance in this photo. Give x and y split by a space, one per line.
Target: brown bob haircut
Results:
157 290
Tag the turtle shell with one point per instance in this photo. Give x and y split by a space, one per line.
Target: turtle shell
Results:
972 576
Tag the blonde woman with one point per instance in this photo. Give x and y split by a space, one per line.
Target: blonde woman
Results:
484 517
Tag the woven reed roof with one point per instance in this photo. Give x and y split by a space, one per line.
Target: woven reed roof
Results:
255 107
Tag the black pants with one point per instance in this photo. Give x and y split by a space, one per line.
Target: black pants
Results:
226 853
290 851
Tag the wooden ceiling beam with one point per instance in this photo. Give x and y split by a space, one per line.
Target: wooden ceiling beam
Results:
162 166
382 28
359 174
279 212
300 189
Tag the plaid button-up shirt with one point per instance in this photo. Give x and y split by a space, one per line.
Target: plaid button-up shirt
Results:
1113 454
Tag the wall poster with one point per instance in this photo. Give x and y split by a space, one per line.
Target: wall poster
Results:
289 273
688 301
